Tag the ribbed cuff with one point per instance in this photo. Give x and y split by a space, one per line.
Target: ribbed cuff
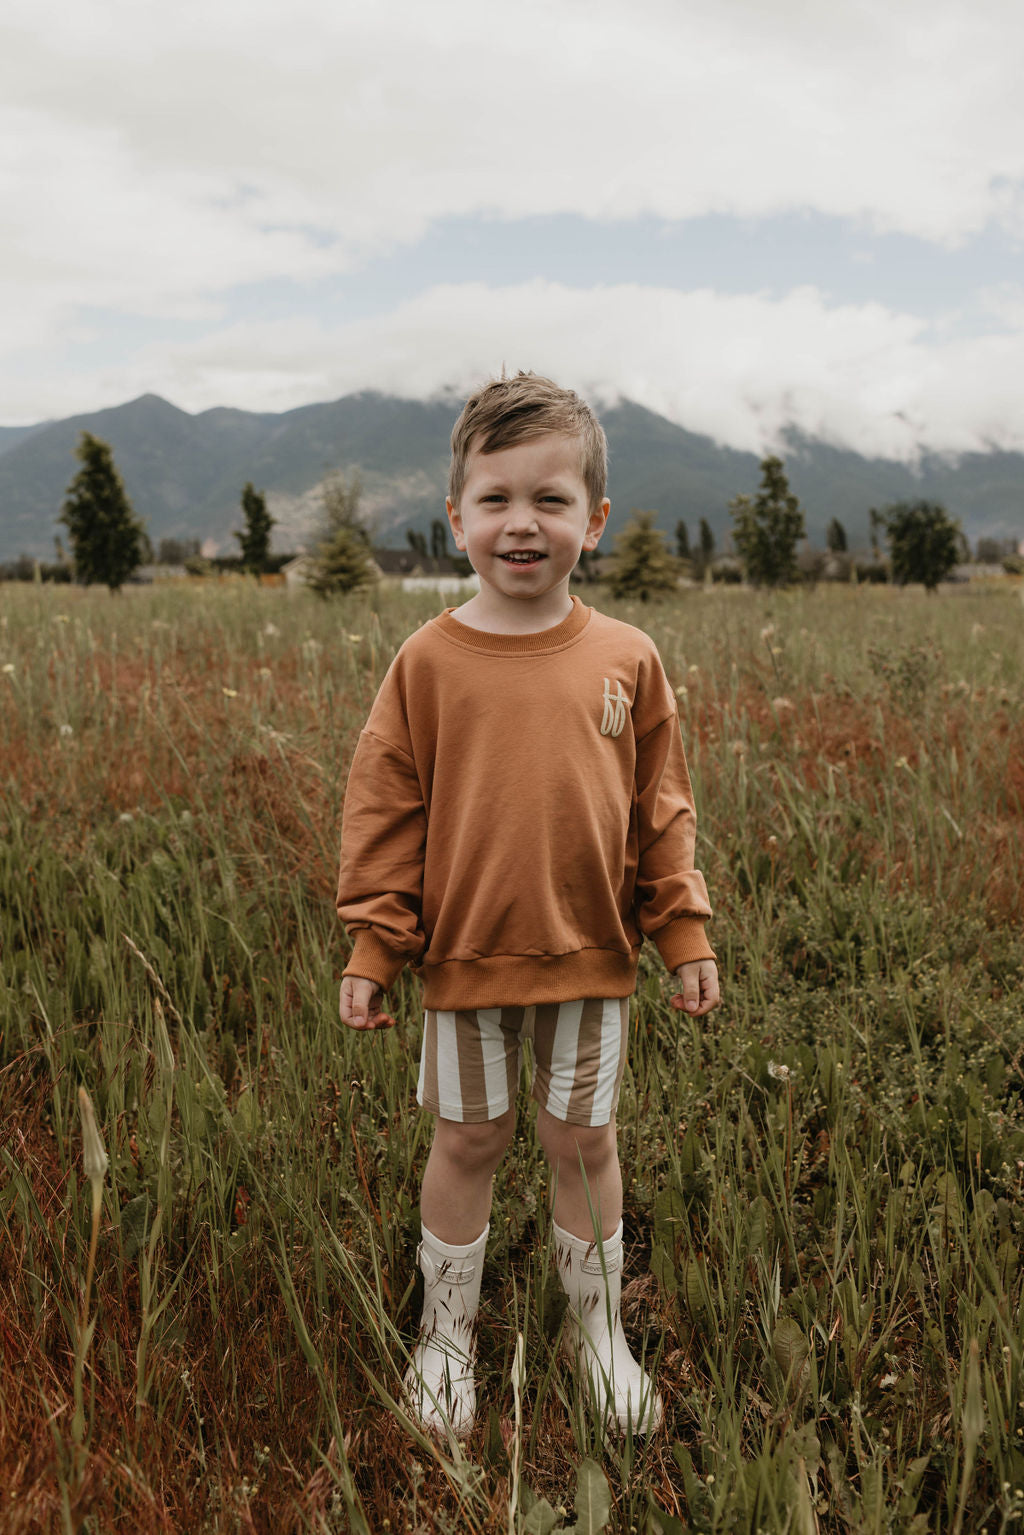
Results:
373 960
682 942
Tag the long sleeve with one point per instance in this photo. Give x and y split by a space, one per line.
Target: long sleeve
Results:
671 899
380 883
519 816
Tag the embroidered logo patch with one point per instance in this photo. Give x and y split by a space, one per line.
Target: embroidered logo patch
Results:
615 705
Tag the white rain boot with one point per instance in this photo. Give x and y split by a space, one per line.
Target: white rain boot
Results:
592 1279
439 1384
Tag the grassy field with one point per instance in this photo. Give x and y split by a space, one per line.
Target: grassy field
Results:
823 1179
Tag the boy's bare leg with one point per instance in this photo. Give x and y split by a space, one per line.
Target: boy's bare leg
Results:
585 1196
455 1201
600 1177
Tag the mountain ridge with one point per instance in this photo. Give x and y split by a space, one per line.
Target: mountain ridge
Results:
185 472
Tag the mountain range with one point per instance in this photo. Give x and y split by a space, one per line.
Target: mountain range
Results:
184 473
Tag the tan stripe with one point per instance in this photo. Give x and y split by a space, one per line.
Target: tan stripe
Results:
544 1024
512 1025
431 1097
584 1086
472 1082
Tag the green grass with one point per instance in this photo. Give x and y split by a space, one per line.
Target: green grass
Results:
823 1179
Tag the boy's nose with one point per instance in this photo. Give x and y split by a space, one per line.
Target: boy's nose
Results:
521 517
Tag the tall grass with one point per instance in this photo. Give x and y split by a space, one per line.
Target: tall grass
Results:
823 1179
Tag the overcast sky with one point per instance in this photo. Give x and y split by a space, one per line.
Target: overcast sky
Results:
741 213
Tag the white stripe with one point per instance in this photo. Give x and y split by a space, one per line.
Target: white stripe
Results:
448 1067
492 1044
611 1043
564 1052
421 1085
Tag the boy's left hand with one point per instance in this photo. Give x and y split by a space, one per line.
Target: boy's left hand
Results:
700 988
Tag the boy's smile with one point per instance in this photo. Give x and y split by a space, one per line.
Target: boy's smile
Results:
523 519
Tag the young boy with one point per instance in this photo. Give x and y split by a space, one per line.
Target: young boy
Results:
518 816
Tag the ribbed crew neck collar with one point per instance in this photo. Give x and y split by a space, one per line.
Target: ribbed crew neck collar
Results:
516 644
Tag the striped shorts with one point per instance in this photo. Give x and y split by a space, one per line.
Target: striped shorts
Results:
471 1060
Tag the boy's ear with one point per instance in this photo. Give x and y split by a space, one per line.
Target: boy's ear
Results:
596 524
456 523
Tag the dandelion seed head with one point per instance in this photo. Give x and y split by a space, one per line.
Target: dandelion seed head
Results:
94 1155
230 692
7 668
67 730
778 1071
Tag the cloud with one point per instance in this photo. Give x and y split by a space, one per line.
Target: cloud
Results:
738 368
163 152
155 161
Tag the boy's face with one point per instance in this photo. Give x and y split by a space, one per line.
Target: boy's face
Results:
524 517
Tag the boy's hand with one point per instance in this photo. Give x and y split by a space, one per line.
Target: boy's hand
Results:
700 988
359 1006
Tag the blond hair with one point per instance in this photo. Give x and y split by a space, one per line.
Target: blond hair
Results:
508 411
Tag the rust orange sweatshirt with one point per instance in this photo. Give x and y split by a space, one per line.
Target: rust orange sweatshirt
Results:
518 815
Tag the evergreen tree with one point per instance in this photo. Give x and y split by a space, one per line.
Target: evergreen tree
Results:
255 540
835 537
642 565
769 528
343 564
439 539
108 542
707 547
924 542
344 555
417 542
682 540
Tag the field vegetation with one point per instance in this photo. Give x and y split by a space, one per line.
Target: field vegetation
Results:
823 1180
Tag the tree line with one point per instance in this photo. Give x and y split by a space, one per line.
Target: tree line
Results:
924 545
109 542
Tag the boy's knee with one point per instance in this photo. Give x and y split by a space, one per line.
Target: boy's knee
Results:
564 1142
477 1145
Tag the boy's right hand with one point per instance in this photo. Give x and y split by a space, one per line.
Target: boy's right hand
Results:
359 1006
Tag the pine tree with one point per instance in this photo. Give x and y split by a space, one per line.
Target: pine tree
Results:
255 540
769 528
344 556
642 565
108 542
835 537
439 539
682 540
